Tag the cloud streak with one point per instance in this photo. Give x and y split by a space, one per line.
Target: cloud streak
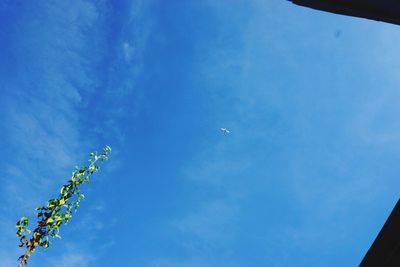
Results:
51 82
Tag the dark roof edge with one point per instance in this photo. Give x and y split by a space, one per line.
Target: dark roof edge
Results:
384 251
353 9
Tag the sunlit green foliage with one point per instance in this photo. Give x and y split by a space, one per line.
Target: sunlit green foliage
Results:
58 211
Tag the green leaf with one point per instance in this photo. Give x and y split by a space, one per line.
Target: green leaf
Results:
58 211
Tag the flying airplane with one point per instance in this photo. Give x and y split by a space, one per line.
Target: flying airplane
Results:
225 130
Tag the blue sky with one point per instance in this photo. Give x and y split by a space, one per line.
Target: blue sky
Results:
307 176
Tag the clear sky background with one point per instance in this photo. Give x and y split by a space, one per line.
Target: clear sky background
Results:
307 176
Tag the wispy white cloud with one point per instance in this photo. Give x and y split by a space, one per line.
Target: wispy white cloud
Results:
123 66
73 259
191 262
73 80
67 68
211 222
7 260
128 50
42 103
42 115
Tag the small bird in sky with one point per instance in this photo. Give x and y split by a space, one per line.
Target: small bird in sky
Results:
225 130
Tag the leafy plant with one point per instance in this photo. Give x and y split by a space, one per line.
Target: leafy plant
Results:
58 211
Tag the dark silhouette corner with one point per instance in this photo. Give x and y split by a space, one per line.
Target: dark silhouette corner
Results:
385 251
381 10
